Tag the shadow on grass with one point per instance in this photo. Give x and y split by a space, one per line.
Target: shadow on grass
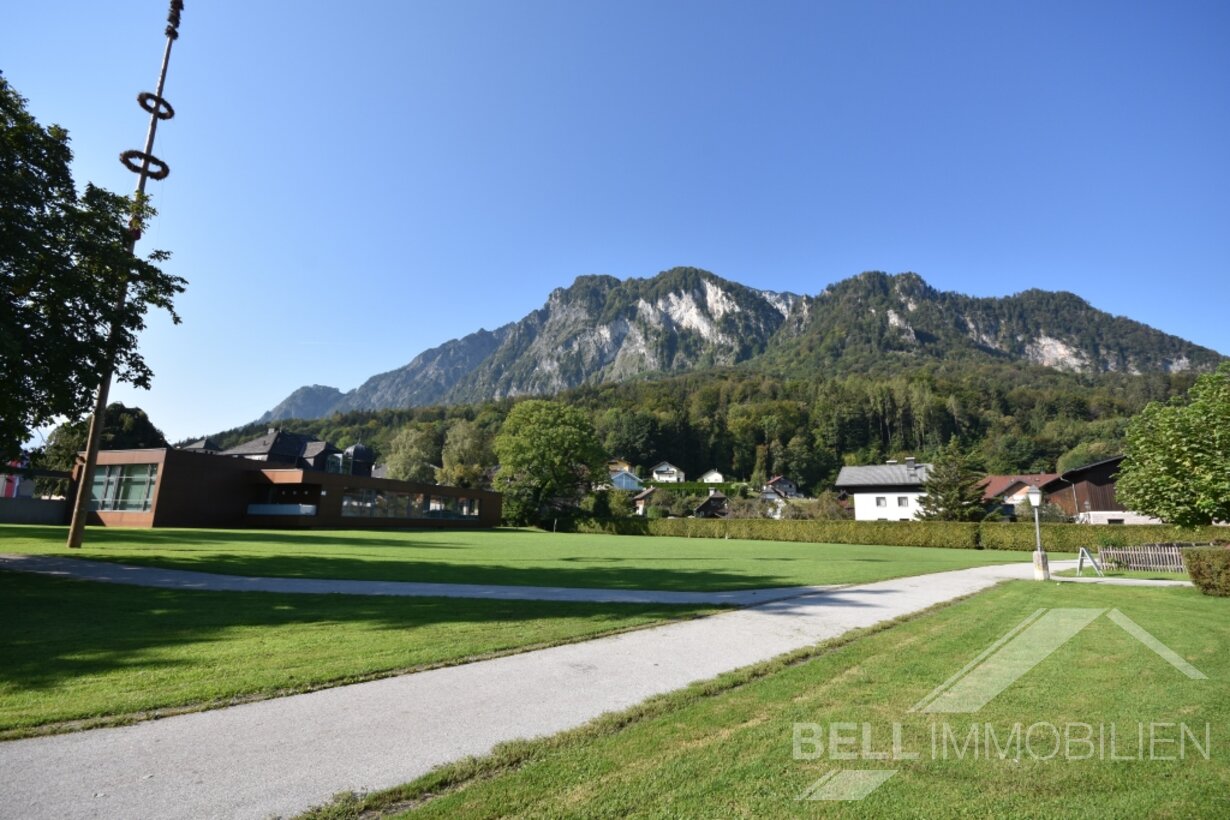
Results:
641 573
179 538
54 631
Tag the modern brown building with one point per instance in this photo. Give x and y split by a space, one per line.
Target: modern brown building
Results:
166 487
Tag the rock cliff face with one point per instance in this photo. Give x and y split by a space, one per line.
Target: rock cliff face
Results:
601 329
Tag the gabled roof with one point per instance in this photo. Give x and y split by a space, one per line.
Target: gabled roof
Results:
883 475
202 444
275 445
1074 475
997 486
643 494
664 464
315 447
629 474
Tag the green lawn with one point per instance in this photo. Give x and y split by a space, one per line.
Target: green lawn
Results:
76 650
506 556
725 748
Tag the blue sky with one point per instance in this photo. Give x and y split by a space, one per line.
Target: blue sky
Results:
353 183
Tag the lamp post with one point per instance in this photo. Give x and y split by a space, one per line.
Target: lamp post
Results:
1042 570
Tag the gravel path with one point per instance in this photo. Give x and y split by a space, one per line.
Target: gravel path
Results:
111 573
281 756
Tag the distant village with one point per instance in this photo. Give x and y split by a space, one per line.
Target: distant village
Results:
282 478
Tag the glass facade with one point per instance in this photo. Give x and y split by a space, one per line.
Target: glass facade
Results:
362 502
124 487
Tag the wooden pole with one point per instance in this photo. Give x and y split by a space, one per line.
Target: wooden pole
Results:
150 168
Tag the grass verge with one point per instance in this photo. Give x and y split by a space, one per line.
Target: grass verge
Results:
725 748
1147 575
80 654
505 556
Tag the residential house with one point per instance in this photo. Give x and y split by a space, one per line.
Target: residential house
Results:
290 449
616 464
625 480
885 492
15 481
666 473
712 477
204 445
715 506
783 486
640 501
1006 493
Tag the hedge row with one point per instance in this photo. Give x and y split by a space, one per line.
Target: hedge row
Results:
1209 569
1055 537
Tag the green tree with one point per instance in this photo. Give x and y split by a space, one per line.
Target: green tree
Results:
952 488
466 456
63 264
414 454
1177 464
548 454
1086 453
124 428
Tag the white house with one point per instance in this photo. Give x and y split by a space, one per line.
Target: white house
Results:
783 487
712 477
885 492
626 480
666 473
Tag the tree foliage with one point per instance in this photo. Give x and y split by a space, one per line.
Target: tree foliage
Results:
124 428
466 455
1177 464
952 488
549 454
414 454
64 264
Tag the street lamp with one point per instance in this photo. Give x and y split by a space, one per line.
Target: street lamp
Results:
1042 570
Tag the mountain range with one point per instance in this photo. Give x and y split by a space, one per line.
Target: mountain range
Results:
603 329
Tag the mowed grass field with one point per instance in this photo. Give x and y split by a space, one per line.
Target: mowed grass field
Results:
726 748
505 556
99 653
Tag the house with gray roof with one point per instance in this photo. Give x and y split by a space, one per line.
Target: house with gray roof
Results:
884 492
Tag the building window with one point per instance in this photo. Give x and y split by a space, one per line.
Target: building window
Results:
358 502
881 501
124 487
903 501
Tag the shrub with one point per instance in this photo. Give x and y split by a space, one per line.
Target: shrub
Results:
892 533
1071 537
1209 568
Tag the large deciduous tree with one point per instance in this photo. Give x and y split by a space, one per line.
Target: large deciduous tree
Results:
548 454
64 262
1177 464
952 488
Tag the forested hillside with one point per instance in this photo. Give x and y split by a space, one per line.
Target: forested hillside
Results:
1013 417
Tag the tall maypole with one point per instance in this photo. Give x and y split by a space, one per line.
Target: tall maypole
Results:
146 166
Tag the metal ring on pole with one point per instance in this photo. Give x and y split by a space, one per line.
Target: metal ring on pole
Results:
146 164
158 106
177 6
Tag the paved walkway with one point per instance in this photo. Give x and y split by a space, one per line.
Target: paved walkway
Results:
281 756
111 573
